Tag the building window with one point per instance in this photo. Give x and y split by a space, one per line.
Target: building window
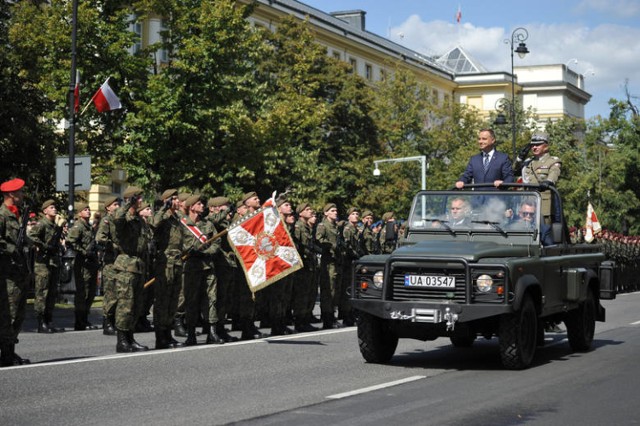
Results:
136 27
164 54
354 64
368 72
383 75
337 55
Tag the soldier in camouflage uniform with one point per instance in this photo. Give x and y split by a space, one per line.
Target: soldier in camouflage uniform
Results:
388 236
85 266
13 270
200 283
178 323
352 250
106 239
225 262
143 325
368 237
46 236
169 237
330 265
129 269
304 287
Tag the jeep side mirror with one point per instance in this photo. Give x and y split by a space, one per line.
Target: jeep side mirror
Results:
556 233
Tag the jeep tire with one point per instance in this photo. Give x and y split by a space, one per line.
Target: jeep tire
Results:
581 324
376 340
518 336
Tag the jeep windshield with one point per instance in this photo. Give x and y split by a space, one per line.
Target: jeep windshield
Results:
503 212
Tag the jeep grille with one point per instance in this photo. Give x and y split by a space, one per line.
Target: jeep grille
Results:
401 292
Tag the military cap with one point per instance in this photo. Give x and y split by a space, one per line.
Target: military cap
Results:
301 207
143 206
281 201
387 216
539 138
248 195
367 213
239 204
218 201
353 209
132 191
81 205
329 206
192 200
182 196
168 193
110 200
12 185
47 204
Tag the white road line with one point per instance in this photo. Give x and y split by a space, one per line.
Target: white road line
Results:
200 346
635 323
376 387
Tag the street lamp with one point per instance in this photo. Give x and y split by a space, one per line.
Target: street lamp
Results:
421 158
519 35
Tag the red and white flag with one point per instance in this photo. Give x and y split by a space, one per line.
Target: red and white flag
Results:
264 246
105 98
459 15
593 224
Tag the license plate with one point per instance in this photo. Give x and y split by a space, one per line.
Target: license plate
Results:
429 281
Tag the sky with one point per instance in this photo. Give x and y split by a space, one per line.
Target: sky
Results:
599 39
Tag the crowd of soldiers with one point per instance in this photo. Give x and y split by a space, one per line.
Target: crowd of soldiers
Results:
175 263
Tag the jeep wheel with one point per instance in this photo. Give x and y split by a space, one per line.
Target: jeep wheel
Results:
377 342
581 324
518 336
462 341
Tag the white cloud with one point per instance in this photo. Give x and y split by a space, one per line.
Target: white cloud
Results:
618 8
607 54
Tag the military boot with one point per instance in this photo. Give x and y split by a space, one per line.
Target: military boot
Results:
191 337
6 355
108 326
173 343
123 344
17 359
280 328
43 327
48 318
161 339
212 336
329 322
143 325
178 327
79 324
302 325
249 331
135 346
223 333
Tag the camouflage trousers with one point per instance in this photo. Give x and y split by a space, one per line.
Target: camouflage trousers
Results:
330 282
200 293
46 288
13 300
109 296
166 289
86 277
304 293
129 302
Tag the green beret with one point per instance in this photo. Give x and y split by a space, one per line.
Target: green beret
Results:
47 204
329 206
110 200
168 193
218 201
79 206
387 216
248 195
131 191
182 196
301 207
367 213
143 206
192 200
353 209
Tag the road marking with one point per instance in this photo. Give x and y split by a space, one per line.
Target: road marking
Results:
635 323
200 346
376 387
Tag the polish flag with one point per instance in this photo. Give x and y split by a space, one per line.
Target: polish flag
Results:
459 15
593 224
105 98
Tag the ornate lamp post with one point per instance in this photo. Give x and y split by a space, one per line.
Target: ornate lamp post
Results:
519 35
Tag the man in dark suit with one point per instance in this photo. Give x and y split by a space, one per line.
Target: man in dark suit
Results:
490 166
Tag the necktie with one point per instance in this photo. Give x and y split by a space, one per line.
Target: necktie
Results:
485 161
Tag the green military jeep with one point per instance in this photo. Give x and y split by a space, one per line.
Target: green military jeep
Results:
481 263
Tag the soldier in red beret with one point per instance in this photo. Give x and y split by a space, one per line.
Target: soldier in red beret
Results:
13 271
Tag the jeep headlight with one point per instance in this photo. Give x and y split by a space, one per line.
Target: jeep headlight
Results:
378 279
484 283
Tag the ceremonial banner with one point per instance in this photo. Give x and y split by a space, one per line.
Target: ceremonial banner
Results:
593 224
264 247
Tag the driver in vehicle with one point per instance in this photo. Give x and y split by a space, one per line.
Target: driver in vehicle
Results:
526 221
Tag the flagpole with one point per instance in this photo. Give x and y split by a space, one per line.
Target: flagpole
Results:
72 114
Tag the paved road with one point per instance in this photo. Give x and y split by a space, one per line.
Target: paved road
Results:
320 378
